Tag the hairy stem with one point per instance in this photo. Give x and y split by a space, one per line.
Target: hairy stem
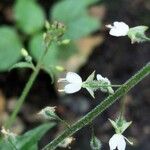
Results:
100 108
25 92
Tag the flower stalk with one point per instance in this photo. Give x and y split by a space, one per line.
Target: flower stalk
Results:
25 91
142 73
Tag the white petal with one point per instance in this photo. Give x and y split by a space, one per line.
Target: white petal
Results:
121 142
99 77
113 142
73 78
109 26
119 29
107 81
72 88
115 32
121 25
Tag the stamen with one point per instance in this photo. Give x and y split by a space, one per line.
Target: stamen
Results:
109 26
131 143
61 80
61 90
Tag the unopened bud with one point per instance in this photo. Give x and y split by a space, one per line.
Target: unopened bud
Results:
44 36
60 68
95 143
24 52
47 25
66 41
48 113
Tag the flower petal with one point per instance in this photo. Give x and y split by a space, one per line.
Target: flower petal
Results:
119 29
73 78
72 88
107 81
99 77
113 142
121 142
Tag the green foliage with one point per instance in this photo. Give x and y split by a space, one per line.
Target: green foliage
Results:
10 46
79 23
29 140
23 65
29 16
36 45
55 54
30 19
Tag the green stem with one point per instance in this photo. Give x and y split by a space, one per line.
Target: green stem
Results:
122 108
100 108
63 121
25 92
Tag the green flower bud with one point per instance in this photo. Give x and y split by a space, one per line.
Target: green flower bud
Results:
95 143
24 52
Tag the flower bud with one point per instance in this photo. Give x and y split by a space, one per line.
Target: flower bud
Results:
48 113
47 25
95 143
24 52
60 68
65 42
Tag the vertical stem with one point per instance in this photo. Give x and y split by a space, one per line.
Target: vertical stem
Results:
25 92
100 108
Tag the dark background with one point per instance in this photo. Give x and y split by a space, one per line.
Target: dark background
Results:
115 58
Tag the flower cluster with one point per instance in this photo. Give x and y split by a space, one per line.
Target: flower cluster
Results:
73 83
136 34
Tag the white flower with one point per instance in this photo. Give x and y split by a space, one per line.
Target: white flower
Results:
73 83
105 80
118 29
118 141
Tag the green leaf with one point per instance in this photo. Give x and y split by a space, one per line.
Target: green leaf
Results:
137 34
32 137
10 46
79 23
29 140
55 53
29 16
36 46
23 65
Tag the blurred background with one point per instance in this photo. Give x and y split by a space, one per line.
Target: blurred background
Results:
91 48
